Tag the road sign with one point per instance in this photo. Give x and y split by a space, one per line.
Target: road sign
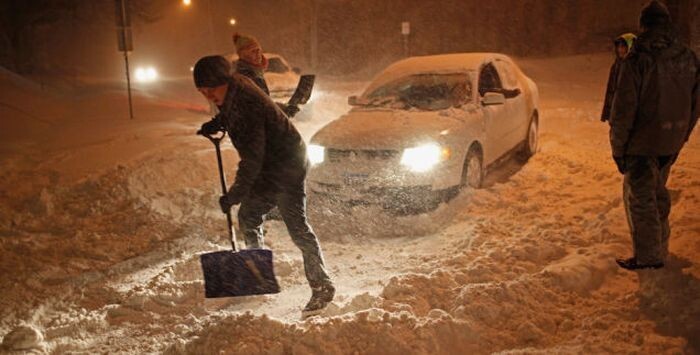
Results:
405 28
123 21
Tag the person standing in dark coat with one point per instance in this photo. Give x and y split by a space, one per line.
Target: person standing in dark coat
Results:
272 168
654 112
252 64
623 45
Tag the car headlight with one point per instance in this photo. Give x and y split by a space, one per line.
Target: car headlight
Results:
424 157
146 75
316 153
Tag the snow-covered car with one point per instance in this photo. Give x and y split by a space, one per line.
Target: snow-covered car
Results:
424 128
281 78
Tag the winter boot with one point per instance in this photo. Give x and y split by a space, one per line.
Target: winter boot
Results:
320 298
631 264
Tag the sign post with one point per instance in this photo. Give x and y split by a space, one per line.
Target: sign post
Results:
406 31
124 42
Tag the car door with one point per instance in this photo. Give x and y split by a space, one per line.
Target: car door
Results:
495 116
517 119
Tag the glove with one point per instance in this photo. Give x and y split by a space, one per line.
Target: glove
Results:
226 203
211 127
620 162
291 110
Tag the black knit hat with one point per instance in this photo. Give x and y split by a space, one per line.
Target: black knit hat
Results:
211 71
654 14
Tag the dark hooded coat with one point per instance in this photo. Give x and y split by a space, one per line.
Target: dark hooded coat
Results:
656 101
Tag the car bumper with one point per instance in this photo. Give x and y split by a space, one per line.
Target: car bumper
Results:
381 182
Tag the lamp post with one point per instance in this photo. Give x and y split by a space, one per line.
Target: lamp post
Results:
124 42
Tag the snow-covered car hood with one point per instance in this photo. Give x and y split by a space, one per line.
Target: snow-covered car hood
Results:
386 129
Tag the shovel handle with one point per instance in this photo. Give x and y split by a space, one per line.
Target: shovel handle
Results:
216 140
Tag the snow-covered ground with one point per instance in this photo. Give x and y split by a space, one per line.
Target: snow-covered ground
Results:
103 218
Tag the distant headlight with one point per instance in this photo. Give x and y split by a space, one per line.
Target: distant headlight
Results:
146 75
316 153
424 157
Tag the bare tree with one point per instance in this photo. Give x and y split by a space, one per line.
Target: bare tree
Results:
20 19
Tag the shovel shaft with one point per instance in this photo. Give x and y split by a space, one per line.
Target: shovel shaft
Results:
222 176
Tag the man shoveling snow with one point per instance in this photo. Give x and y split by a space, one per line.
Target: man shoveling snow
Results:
272 169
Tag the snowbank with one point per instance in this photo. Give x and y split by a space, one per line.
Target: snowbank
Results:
100 235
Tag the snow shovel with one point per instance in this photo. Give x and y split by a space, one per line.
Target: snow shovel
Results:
231 273
302 94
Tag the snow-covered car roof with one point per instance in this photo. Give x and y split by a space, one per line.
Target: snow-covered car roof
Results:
444 63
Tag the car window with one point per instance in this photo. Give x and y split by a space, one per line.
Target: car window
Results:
489 80
507 73
276 65
427 92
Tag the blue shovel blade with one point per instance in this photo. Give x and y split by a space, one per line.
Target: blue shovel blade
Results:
243 273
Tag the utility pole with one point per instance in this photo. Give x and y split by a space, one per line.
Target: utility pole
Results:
406 32
682 16
314 33
124 42
695 27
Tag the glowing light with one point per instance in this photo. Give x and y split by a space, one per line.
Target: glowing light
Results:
423 158
187 2
146 75
232 21
316 153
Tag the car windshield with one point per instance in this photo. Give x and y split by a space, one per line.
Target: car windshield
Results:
275 65
428 92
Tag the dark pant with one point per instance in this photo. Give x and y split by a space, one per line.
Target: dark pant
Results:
648 204
292 206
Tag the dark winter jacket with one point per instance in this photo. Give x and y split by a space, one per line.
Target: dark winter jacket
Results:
610 91
656 101
257 76
252 73
272 152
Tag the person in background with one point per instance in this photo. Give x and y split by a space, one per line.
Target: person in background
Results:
654 111
623 45
252 64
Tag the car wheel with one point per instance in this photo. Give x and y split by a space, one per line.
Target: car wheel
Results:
473 173
531 141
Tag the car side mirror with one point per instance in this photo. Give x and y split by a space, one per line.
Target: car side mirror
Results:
493 98
297 70
352 100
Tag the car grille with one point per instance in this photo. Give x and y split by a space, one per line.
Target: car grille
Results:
340 155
